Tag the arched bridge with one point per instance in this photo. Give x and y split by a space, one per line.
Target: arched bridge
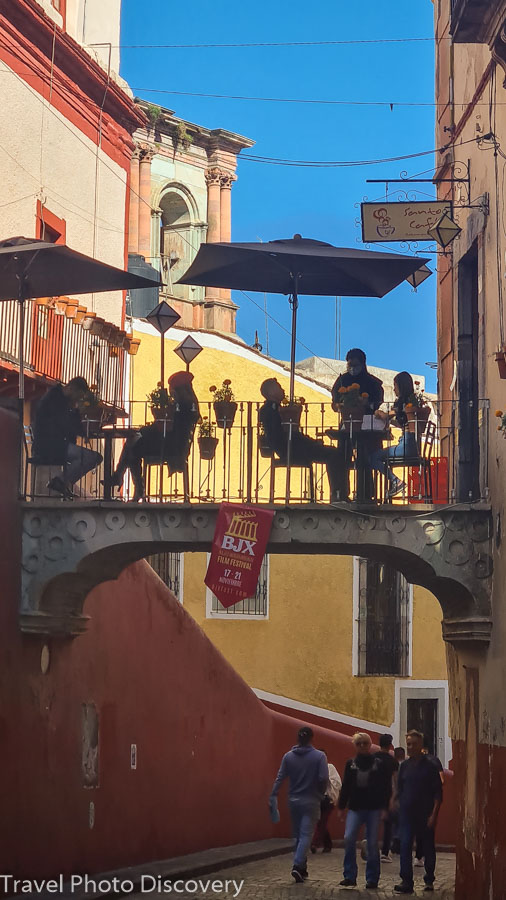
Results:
68 549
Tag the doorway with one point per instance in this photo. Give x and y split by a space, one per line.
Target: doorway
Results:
421 714
425 708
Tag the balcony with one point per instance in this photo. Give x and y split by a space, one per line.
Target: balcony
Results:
477 21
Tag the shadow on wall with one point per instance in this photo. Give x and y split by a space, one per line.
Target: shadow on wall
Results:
139 742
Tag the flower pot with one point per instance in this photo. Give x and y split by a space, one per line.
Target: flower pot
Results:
352 417
97 326
88 320
263 446
225 411
164 416
117 337
80 314
43 301
71 308
417 419
60 305
133 345
290 414
207 447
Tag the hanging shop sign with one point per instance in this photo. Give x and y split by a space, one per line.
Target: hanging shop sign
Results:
239 545
402 221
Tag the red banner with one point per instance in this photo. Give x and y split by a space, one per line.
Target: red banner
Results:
239 544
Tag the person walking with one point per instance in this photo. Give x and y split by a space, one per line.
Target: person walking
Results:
56 429
419 797
363 792
400 756
321 836
308 775
385 754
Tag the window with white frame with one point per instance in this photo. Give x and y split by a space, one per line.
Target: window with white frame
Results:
169 567
383 619
256 607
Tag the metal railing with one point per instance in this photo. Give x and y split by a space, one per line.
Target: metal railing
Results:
237 465
59 349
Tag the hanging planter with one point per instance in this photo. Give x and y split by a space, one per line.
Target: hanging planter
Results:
71 308
417 417
118 338
133 345
207 447
106 331
88 320
225 411
79 316
60 305
500 358
97 326
290 413
44 301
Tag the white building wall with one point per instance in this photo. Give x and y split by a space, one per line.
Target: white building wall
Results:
53 161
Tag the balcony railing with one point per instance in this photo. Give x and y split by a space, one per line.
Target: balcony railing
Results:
58 349
242 468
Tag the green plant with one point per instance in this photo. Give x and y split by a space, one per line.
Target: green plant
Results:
502 416
222 393
89 401
205 428
417 399
182 136
297 401
159 398
351 396
153 113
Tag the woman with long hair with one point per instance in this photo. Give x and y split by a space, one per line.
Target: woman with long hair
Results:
407 447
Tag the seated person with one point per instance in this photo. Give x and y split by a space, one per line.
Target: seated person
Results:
357 373
172 447
406 448
304 450
55 431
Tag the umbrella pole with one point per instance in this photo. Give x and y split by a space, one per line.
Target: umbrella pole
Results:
294 302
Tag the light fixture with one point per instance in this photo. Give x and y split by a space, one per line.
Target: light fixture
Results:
444 231
188 349
163 317
419 276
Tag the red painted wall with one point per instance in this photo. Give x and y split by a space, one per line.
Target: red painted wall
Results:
208 749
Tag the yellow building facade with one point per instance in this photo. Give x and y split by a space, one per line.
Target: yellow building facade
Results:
315 639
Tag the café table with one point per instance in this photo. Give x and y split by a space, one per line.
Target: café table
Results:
109 433
354 436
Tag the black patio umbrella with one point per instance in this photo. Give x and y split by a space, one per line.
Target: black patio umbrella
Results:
299 266
32 268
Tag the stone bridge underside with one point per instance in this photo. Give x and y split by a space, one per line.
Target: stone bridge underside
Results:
68 549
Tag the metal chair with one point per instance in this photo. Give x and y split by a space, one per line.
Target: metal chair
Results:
29 459
422 462
149 462
281 464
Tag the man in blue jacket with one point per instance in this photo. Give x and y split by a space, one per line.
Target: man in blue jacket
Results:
308 775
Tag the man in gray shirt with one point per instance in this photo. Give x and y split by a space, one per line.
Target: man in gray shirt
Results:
308 775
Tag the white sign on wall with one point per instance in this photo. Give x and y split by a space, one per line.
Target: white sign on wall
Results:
401 221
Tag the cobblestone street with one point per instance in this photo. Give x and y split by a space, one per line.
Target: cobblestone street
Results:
269 879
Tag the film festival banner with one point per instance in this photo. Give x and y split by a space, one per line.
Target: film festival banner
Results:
239 545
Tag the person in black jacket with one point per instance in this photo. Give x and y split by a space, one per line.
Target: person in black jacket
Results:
357 374
363 792
391 767
56 429
152 442
303 449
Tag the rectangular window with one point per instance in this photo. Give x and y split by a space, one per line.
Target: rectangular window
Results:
384 600
169 567
256 607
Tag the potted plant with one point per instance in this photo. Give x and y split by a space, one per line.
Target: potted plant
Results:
502 425
263 443
162 406
417 411
351 405
224 405
290 413
206 440
91 410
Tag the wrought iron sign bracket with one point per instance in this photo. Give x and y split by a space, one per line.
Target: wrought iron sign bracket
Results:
462 175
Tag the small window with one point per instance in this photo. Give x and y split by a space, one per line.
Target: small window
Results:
256 607
384 600
169 567
49 227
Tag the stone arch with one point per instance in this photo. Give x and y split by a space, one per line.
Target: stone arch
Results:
181 234
67 552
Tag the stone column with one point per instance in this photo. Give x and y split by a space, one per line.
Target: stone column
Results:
219 311
226 217
145 204
213 181
133 213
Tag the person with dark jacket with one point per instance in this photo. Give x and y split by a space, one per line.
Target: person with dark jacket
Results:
357 374
363 792
304 449
391 766
56 428
308 774
152 442
407 447
419 797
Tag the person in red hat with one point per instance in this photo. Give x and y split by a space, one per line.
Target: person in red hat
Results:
155 442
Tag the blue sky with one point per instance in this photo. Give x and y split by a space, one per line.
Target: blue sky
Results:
270 202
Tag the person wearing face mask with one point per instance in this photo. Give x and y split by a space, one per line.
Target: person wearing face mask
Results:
356 373
407 447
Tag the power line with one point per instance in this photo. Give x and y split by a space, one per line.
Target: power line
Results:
417 40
